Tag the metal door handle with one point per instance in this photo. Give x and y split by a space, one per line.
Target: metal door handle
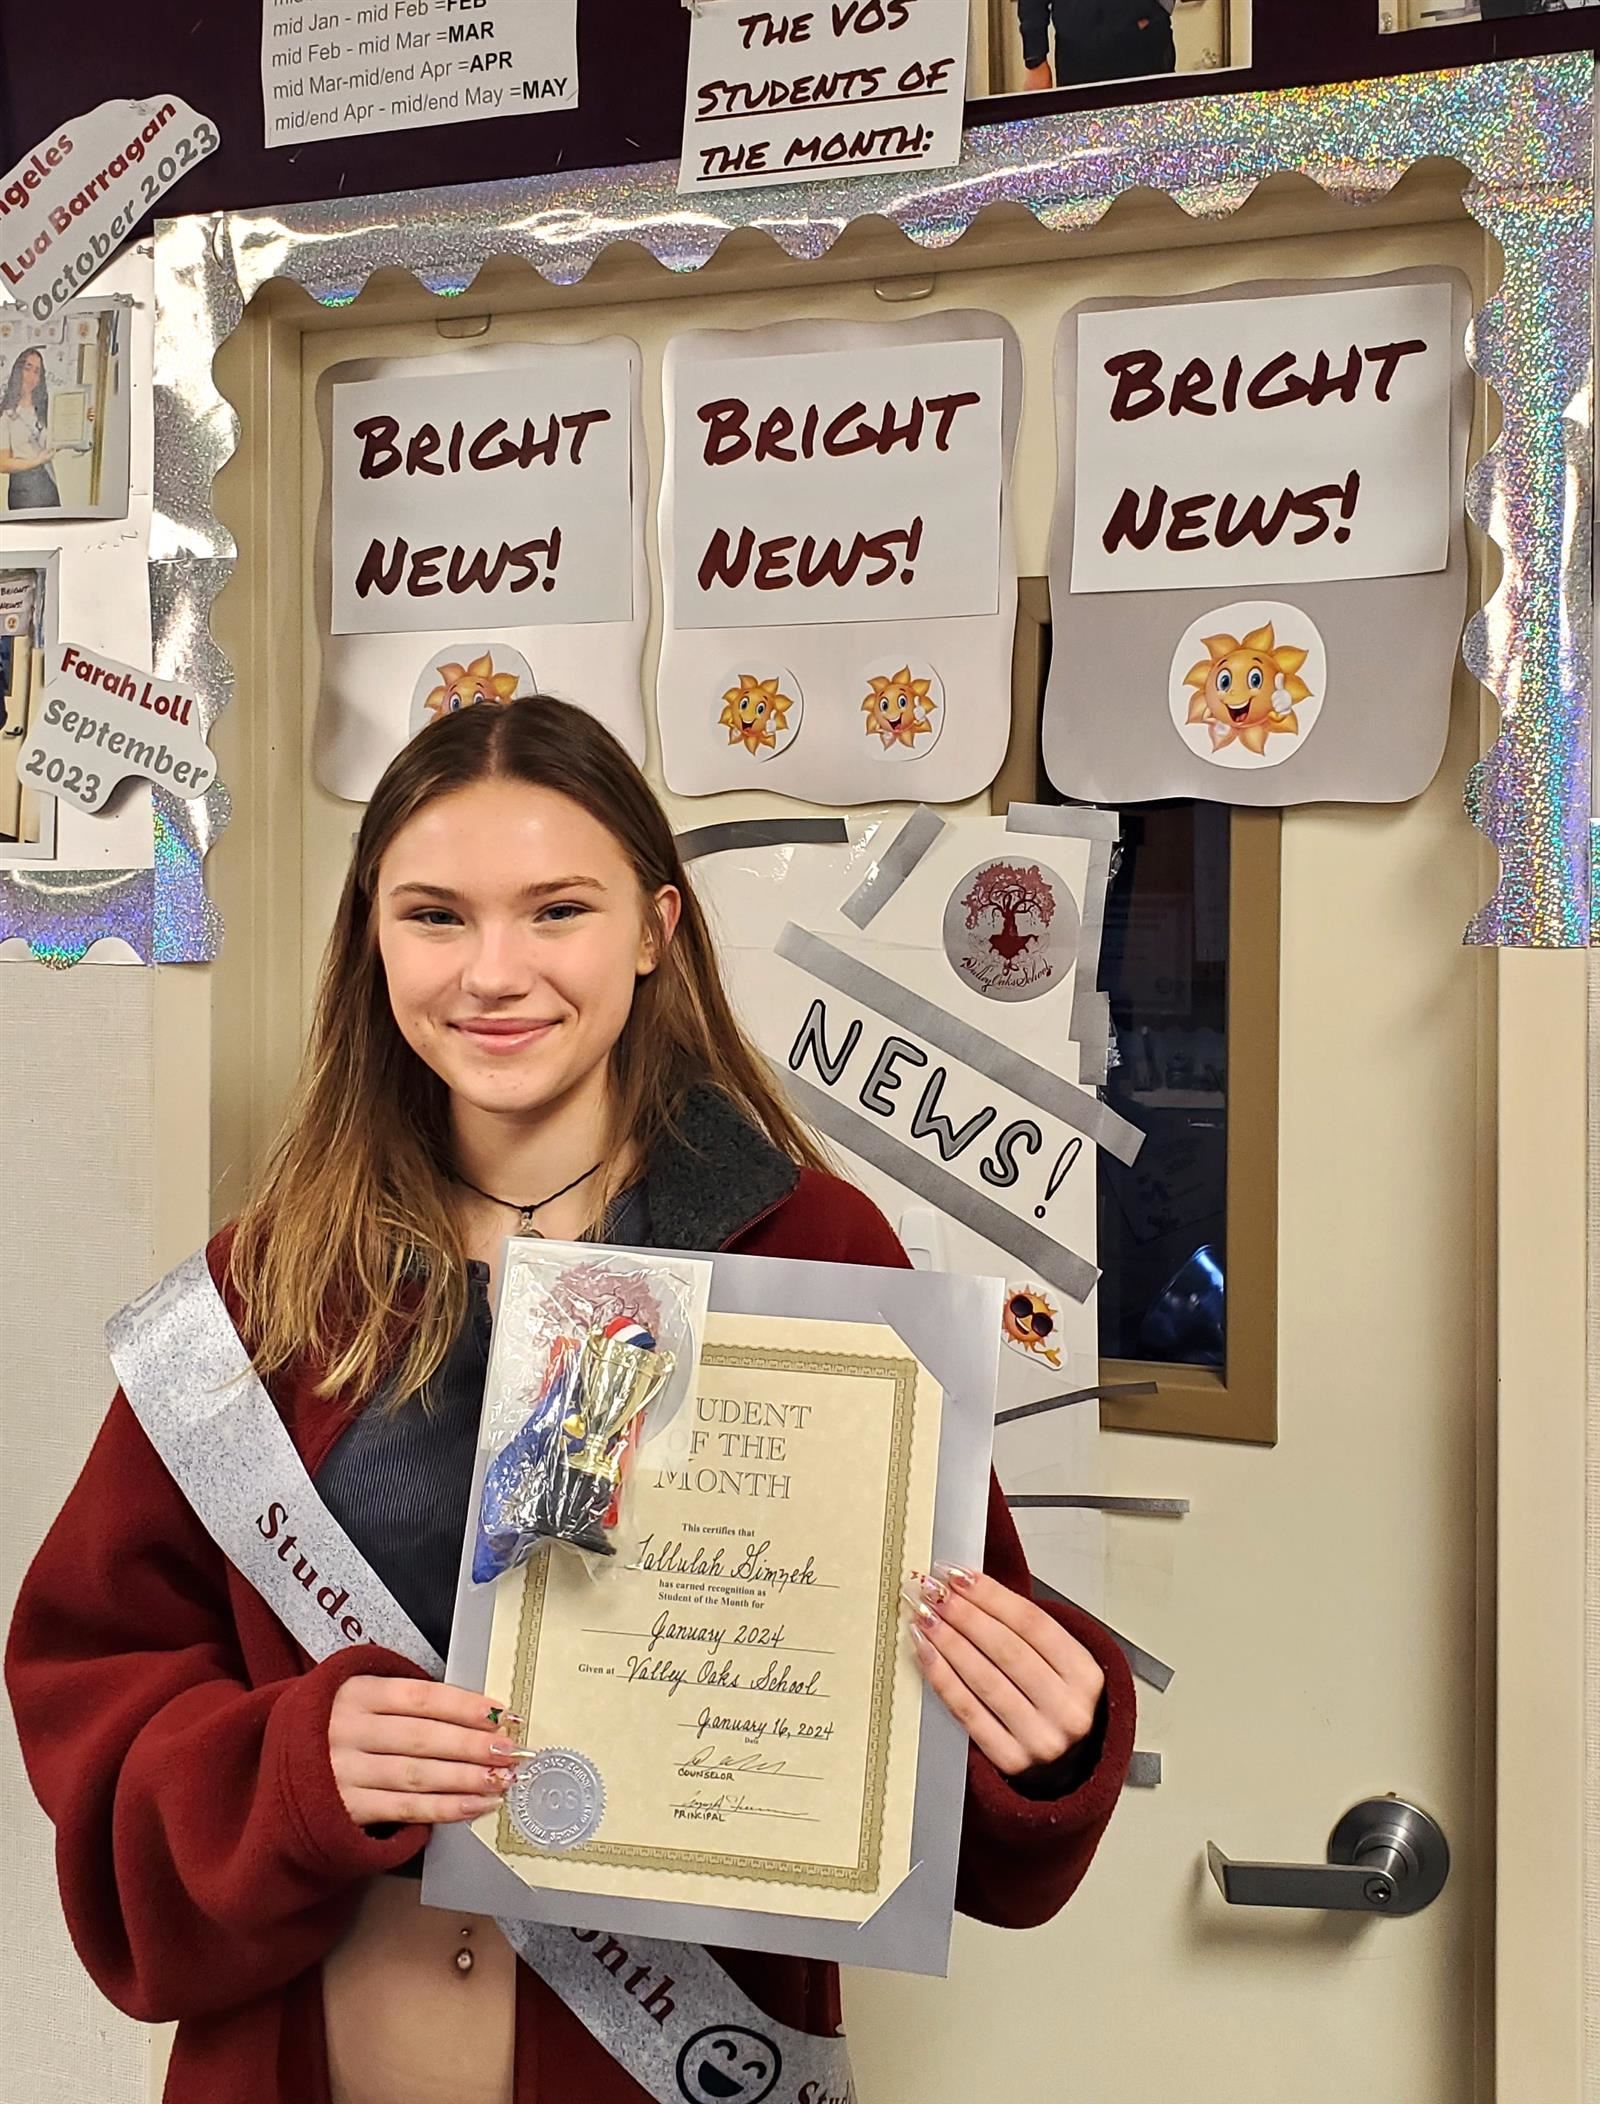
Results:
1384 1857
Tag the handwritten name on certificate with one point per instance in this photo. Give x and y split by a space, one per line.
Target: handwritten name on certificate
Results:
728 1713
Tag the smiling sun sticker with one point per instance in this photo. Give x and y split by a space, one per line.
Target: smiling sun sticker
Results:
1247 689
899 709
755 713
465 686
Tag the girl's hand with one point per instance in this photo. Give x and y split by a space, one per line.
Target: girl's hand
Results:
1025 1690
417 1753
1038 76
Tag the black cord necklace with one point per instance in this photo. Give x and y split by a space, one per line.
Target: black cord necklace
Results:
525 1213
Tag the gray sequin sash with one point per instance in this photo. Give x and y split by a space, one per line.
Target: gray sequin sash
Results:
667 2012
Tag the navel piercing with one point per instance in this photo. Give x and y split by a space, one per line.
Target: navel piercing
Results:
463 1959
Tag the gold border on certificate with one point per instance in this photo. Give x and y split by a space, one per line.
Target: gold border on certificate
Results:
901 1373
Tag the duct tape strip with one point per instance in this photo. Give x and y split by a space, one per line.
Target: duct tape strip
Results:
986 1055
1144 1772
1091 1033
1144 1665
762 832
1078 1395
1075 1501
1035 1252
896 863
1070 821
1091 937
1091 1011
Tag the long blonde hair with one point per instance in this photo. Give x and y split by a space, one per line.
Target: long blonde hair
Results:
348 1257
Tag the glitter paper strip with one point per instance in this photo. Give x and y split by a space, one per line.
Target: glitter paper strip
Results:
1522 129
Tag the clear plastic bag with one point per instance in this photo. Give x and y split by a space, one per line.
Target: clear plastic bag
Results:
587 1342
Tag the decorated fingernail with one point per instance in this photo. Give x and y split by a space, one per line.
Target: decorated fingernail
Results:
504 1746
922 1615
503 1718
956 1574
929 1588
499 1779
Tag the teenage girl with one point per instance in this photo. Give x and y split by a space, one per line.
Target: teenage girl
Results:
520 1021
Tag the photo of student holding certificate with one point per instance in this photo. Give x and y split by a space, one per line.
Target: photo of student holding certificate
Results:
64 413
27 628
520 1029
25 448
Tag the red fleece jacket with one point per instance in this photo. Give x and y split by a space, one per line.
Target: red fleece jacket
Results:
177 1737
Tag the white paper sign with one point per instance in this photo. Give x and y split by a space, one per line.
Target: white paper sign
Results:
794 94
101 721
909 698
926 1120
498 497
344 69
850 485
1272 441
376 690
68 206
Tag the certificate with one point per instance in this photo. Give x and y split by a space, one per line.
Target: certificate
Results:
729 1712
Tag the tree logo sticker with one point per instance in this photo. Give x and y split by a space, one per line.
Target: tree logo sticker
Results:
1011 930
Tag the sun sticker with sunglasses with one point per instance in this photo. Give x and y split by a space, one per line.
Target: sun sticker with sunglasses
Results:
1028 1321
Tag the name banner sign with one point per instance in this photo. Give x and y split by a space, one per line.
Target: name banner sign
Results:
346 69
797 94
69 205
861 484
496 497
1276 440
101 722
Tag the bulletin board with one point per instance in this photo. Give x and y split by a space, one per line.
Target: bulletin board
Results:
558 258
1228 190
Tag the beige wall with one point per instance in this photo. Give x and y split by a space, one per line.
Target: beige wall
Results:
78 1239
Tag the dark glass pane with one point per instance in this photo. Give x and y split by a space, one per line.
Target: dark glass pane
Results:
1165 968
